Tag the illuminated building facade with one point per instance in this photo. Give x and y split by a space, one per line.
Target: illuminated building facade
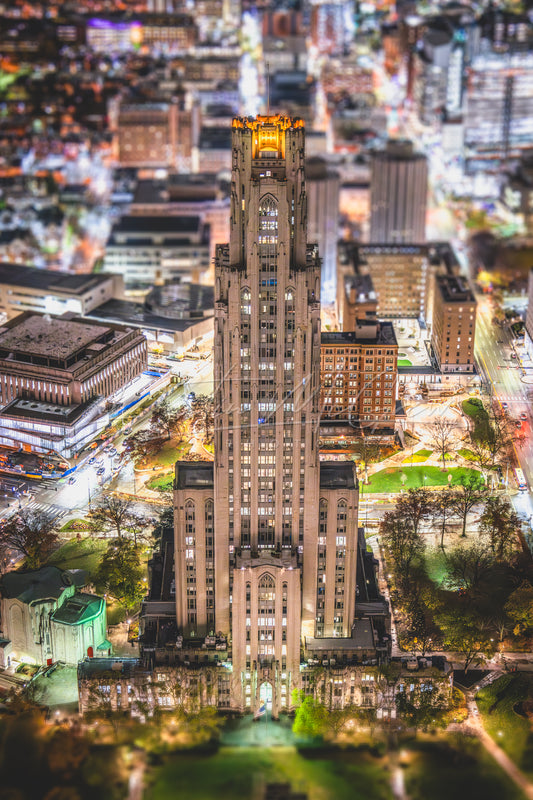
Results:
454 324
266 537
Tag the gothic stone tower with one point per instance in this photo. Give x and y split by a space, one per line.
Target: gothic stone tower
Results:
266 552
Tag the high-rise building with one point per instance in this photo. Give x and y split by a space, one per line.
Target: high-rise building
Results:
266 536
398 194
454 324
323 186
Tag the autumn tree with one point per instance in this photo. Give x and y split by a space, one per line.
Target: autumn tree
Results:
500 525
467 494
491 439
442 437
468 634
139 446
519 607
120 573
31 533
203 413
166 420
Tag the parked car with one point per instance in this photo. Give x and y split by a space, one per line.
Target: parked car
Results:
92 460
523 415
100 471
191 396
71 481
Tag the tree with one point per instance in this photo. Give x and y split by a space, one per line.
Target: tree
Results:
443 510
500 525
415 507
469 568
120 573
311 718
30 533
519 607
203 413
369 451
143 444
490 439
466 633
467 494
117 516
403 543
166 419
442 437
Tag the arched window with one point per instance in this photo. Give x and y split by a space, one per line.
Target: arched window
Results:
268 220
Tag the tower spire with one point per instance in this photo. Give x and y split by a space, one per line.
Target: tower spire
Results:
268 88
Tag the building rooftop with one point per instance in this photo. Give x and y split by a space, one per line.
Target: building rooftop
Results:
170 226
48 280
47 583
48 336
337 475
135 314
194 475
122 667
367 332
79 609
45 412
454 289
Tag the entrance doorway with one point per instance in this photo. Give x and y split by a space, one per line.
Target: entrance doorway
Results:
265 698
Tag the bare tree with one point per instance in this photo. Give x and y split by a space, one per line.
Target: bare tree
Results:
202 411
501 526
118 517
30 533
414 508
167 420
442 437
443 510
467 494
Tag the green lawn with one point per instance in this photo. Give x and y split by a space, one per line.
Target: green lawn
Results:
466 453
80 554
169 454
390 480
474 409
76 525
458 768
162 483
404 362
242 772
418 457
510 730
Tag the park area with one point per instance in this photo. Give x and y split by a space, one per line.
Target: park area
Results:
430 767
394 479
506 708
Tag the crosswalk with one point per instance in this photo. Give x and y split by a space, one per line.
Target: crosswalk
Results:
55 512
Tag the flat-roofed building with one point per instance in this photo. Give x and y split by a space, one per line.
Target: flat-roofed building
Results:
399 274
454 324
66 360
358 375
49 292
149 251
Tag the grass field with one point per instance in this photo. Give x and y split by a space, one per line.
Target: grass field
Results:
80 554
474 409
162 483
242 772
458 768
390 480
510 730
418 458
169 454
466 453
404 362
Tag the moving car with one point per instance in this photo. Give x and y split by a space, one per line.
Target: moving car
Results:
100 471
523 415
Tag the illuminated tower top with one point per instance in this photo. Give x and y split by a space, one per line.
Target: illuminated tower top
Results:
268 154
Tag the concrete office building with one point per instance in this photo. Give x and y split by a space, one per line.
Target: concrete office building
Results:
323 186
150 251
454 324
398 194
399 276
50 292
